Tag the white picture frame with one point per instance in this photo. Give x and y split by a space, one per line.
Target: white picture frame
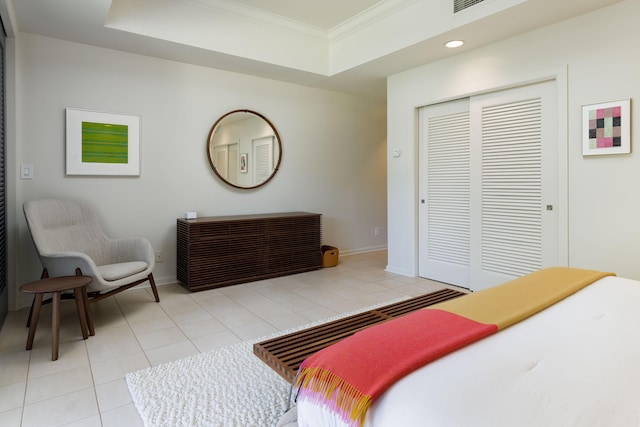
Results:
101 143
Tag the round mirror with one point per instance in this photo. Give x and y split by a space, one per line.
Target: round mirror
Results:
244 149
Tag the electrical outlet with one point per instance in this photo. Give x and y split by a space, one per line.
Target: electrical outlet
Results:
159 257
376 231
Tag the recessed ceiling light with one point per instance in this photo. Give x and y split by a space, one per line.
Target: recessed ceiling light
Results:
454 43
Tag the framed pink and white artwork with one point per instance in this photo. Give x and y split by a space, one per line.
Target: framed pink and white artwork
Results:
606 128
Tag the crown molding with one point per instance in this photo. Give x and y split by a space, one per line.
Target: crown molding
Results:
367 18
258 16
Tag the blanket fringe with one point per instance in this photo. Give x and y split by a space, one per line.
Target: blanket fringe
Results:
347 399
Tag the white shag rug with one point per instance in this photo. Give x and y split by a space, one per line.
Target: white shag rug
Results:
226 387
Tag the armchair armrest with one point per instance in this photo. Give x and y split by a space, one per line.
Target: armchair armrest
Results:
65 264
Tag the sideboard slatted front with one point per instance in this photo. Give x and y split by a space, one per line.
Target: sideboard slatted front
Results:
219 251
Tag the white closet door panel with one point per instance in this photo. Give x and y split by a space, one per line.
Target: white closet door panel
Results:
513 131
511 193
445 199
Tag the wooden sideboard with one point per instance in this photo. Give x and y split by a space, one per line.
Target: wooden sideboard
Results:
226 250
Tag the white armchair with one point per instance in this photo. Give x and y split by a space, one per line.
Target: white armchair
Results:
69 240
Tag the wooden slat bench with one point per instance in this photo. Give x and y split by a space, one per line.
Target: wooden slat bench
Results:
285 353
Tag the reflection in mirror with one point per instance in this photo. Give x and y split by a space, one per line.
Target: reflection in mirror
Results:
244 149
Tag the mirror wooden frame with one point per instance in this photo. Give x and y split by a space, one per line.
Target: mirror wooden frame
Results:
210 154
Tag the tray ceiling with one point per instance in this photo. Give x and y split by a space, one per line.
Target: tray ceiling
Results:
349 46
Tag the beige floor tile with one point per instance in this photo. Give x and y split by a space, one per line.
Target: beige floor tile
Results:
70 355
277 294
153 325
318 313
136 295
171 352
316 293
12 396
209 296
140 311
237 292
216 340
12 418
297 303
179 304
14 365
112 342
15 320
220 308
197 314
106 313
58 384
123 416
61 410
270 309
117 368
93 421
237 319
253 299
382 297
202 328
167 291
113 395
286 321
352 292
254 330
161 338
13 338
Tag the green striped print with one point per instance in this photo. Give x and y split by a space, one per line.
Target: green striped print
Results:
105 143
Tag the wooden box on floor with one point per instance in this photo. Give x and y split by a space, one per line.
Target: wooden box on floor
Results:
330 255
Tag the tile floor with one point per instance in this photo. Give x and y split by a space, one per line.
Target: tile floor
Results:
86 385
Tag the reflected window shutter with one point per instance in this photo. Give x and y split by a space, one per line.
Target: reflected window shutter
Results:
448 182
511 187
276 152
221 156
263 149
233 163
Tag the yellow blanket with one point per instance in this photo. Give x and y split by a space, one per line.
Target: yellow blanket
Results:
518 299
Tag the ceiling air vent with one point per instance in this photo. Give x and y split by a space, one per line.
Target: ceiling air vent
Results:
459 5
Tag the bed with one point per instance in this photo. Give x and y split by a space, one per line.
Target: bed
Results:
573 363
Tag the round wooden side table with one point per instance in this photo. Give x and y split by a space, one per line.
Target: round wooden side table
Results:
55 286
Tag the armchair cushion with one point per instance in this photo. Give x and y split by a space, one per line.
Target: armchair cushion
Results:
111 272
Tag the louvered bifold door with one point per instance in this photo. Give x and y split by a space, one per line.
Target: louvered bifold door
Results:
514 227
445 193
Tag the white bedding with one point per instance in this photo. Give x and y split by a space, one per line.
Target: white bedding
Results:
576 363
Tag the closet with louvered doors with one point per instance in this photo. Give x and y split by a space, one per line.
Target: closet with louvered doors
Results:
489 186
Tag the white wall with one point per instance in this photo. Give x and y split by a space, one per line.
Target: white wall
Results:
333 148
600 53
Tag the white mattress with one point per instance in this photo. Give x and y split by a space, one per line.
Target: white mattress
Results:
575 364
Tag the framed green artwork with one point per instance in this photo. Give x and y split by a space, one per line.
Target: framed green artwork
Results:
100 143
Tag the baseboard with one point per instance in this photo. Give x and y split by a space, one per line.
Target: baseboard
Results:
166 280
390 269
362 250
